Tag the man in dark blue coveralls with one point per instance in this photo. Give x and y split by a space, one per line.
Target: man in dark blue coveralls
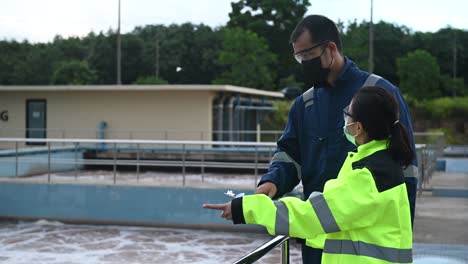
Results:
312 147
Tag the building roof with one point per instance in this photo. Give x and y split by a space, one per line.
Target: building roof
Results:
165 87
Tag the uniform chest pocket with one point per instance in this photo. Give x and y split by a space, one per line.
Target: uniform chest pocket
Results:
312 147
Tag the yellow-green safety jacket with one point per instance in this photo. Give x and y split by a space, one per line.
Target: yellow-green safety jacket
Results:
362 216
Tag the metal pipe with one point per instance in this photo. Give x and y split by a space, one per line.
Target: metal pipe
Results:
239 117
231 117
220 117
234 103
285 252
264 249
371 39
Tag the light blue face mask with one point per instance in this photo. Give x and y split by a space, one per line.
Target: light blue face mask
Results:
349 137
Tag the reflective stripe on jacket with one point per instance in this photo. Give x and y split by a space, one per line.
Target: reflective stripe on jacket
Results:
362 216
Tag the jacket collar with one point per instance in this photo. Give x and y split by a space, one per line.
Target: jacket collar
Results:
370 148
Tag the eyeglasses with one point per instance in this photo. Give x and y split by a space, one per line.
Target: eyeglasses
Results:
346 113
306 54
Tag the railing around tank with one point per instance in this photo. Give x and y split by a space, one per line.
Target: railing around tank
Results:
429 147
153 134
136 150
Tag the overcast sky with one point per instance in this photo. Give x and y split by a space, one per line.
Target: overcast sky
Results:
41 20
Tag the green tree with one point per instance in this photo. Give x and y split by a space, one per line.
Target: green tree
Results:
192 48
448 45
356 43
71 48
277 120
419 75
102 56
289 81
73 72
390 42
12 53
246 60
37 66
452 87
132 55
274 20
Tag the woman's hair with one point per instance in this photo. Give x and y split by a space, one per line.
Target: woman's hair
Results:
377 110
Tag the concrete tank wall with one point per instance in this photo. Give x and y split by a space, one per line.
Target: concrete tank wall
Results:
113 204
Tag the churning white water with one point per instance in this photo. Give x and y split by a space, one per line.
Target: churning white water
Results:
58 243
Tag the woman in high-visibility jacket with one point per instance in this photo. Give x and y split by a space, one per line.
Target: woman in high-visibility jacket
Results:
363 216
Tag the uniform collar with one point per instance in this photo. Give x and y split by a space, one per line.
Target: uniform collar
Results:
342 74
370 148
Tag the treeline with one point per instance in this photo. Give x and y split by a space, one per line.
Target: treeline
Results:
252 50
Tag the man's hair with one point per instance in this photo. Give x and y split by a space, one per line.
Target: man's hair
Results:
320 28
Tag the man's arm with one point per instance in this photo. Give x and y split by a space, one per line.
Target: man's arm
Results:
284 172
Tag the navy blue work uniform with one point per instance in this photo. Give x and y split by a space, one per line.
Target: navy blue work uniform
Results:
312 147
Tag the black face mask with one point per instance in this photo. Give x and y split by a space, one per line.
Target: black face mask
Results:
314 74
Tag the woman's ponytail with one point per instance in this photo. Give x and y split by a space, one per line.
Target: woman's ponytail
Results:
399 144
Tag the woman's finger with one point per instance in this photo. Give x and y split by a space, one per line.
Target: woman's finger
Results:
214 206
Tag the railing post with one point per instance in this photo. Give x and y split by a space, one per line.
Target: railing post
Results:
183 165
138 162
256 165
258 132
285 252
203 162
48 162
165 138
76 161
115 161
16 159
423 161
